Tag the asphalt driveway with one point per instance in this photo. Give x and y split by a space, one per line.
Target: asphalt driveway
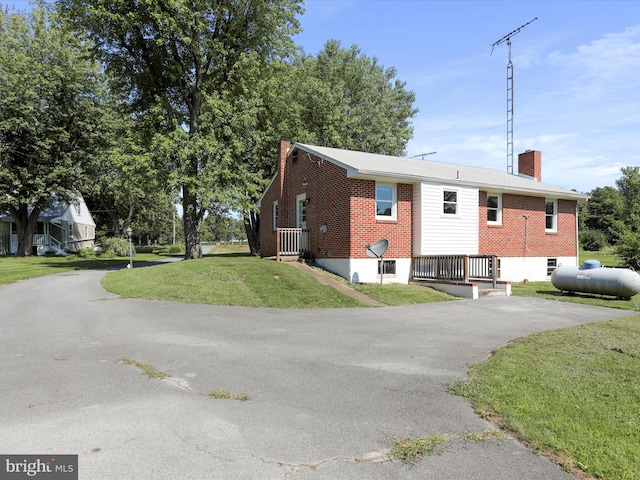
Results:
330 389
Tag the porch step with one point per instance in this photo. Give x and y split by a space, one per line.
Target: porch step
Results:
491 292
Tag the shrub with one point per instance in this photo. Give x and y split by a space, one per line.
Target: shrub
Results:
176 249
593 240
118 247
628 249
85 252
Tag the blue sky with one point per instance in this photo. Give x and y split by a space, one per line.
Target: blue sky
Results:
576 77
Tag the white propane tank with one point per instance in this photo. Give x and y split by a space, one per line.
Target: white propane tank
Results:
592 278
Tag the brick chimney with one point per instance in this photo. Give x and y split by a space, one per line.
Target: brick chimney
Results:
530 164
282 161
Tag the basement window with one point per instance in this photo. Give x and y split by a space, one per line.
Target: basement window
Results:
388 267
552 263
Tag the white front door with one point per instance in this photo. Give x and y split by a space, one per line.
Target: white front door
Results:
301 211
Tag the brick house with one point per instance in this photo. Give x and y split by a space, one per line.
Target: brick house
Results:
336 202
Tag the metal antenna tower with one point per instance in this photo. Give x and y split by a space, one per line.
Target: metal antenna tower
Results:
507 38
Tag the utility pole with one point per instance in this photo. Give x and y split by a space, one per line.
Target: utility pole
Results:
507 38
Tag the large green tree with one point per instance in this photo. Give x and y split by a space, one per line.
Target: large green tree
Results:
176 59
628 227
50 116
601 212
346 99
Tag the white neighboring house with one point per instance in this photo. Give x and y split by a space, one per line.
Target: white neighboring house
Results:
62 228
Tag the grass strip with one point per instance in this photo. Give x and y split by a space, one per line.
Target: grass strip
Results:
411 449
224 395
146 369
570 393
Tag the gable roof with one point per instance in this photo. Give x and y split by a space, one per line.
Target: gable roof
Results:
60 210
374 166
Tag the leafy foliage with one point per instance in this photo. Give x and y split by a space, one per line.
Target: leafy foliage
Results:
51 108
628 228
118 247
175 61
593 240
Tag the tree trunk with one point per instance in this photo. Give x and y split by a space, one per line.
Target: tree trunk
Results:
26 227
191 221
252 229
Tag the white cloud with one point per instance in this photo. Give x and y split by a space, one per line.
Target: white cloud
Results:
613 57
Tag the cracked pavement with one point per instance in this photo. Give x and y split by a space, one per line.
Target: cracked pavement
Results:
330 389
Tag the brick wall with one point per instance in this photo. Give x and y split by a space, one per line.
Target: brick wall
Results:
508 239
346 206
268 239
366 229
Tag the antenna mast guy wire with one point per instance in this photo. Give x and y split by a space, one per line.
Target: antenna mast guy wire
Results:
507 38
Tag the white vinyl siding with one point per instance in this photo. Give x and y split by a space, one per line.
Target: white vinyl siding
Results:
445 234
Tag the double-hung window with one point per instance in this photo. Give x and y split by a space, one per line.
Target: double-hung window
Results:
386 201
551 216
494 209
450 202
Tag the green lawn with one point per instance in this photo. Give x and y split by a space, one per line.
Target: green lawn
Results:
231 277
572 393
548 291
13 269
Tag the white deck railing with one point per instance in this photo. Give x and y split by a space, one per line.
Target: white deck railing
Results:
291 242
460 268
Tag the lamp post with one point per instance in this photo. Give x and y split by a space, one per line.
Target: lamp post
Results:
128 231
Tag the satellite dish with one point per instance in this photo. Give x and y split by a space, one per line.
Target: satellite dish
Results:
377 249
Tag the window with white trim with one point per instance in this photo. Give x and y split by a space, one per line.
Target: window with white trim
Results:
450 202
275 215
494 209
71 230
551 216
386 201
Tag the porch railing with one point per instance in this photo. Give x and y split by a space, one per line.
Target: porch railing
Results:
461 268
291 242
4 243
39 240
